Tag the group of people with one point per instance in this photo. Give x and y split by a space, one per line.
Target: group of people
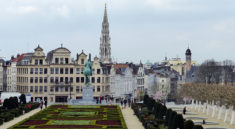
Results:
41 104
124 102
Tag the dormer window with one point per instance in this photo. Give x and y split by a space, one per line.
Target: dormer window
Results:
36 62
82 61
40 62
56 61
66 60
61 60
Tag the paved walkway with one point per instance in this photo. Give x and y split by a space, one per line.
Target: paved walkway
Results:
132 122
18 119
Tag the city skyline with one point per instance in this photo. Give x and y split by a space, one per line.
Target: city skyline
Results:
152 29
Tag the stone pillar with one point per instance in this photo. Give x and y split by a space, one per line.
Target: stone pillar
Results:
226 115
192 104
208 109
196 105
199 106
220 112
204 107
232 118
213 111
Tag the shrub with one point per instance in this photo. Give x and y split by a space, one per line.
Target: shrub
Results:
179 121
168 112
188 124
22 99
6 103
171 120
1 121
197 127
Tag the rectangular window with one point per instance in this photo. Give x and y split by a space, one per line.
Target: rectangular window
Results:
52 89
82 79
41 62
98 80
36 62
41 70
61 70
66 60
77 79
45 88
52 80
40 79
61 79
31 88
36 70
31 79
66 70
98 88
71 79
56 80
56 70
66 89
61 89
77 70
71 70
93 79
61 60
36 89
77 89
66 80
56 61
82 61
31 70
45 79
93 71
45 70
71 88
82 70
98 71
36 80
56 89
52 70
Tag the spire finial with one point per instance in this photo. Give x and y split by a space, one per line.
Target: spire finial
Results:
61 45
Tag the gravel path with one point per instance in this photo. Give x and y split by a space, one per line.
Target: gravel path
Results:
131 120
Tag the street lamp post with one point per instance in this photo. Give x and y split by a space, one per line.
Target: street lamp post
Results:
70 89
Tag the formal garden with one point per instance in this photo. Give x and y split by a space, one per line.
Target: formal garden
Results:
12 108
154 115
75 117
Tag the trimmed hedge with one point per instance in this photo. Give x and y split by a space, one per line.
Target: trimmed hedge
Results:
155 115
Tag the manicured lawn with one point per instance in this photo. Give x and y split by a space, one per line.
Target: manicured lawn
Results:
75 117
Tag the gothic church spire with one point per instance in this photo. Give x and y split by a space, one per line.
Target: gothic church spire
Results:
105 49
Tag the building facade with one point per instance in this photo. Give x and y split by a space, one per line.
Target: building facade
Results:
56 77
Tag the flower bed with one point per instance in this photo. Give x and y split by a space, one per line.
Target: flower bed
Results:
75 117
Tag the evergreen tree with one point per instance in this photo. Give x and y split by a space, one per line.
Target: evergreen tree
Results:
188 124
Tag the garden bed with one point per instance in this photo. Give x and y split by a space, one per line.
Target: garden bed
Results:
75 117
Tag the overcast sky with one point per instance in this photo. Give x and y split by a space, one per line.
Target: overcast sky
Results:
139 29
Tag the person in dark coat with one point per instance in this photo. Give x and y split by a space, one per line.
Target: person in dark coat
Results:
45 103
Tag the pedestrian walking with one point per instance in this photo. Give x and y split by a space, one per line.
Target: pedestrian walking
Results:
129 102
41 104
184 110
122 103
125 101
45 102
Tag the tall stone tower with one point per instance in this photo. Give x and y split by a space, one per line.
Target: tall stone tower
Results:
188 59
105 49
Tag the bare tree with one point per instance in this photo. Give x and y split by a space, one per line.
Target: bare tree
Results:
209 72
